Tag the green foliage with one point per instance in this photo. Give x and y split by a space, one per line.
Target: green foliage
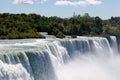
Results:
17 26
112 26
74 36
28 25
60 35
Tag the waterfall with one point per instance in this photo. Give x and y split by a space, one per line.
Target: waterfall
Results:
82 58
113 42
13 72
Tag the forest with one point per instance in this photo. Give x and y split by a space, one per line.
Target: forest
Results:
19 26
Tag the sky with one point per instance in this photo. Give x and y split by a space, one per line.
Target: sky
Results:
62 8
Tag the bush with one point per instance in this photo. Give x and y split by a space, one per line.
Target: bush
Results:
60 35
74 36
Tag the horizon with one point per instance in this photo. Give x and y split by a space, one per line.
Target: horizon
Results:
62 8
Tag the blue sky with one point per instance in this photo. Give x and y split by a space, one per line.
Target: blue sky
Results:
62 8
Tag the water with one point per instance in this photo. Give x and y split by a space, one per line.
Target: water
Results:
83 58
114 44
91 68
13 72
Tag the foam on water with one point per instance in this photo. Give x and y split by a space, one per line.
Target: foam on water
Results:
91 68
83 58
13 72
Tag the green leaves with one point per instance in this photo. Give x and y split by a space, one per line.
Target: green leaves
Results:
28 25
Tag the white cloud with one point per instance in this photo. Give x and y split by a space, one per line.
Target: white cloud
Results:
23 2
77 3
62 2
28 1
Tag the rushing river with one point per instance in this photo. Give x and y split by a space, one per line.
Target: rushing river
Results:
83 58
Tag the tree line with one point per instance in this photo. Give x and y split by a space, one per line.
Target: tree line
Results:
29 25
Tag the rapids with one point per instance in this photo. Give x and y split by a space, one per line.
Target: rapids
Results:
82 58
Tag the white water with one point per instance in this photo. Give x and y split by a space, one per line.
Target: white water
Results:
13 72
100 64
114 44
84 58
91 68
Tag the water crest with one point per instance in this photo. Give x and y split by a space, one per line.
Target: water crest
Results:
83 58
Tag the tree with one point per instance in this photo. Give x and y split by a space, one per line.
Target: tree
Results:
98 24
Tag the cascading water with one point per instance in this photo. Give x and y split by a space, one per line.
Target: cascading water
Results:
113 42
83 58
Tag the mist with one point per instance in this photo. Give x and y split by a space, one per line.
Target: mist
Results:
91 67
